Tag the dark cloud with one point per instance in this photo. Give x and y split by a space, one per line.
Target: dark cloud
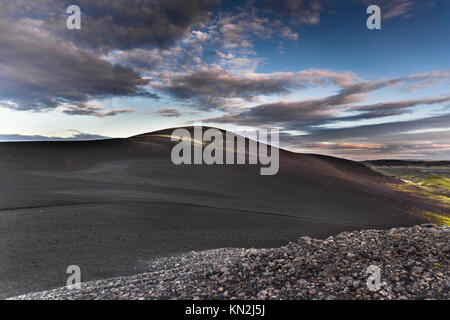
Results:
345 146
420 138
395 105
159 63
380 129
375 147
169 112
386 109
368 86
285 114
299 115
389 139
39 72
172 112
87 110
367 150
210 88
214 87
44 65
120 24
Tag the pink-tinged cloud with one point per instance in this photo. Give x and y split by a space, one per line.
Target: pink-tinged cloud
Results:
348 145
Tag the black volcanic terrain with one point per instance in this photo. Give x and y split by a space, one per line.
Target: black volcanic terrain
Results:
111 206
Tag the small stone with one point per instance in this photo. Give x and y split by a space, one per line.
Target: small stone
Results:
427 225
304 240
416 270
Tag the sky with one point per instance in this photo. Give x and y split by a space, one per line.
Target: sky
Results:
311 68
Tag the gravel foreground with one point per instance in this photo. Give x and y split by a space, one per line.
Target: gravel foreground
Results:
414 264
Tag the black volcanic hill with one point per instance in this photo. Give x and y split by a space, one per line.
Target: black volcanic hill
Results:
111 205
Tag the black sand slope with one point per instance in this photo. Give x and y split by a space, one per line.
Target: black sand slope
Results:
110 206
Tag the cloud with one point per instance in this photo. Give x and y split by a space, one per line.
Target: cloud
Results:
381 140
392 150
299 11
421 139
87 110
211 88
172 112
235 29
380 129
284 114
299 115
368 86
39 72
400 104
396 8
391 9
169 112
160 63
287 32
385 109
120 24
46 66
123 41
345 146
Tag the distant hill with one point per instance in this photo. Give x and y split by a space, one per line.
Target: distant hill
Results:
76 137
427 163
